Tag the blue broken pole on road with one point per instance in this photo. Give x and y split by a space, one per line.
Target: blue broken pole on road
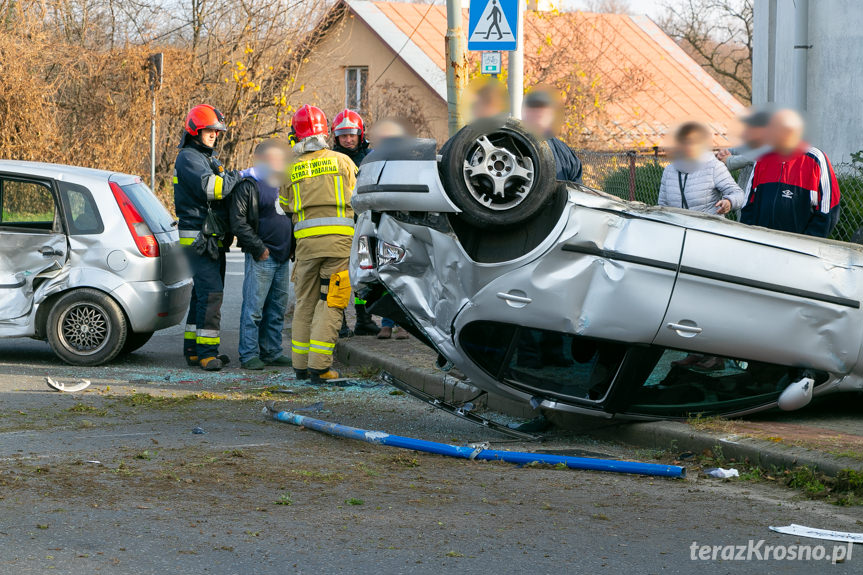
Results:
478 453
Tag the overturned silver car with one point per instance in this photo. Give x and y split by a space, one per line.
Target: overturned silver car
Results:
575 300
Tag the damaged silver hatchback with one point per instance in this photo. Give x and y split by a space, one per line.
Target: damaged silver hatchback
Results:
89 260
571 299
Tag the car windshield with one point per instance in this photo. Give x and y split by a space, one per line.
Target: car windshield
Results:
152 210
682 384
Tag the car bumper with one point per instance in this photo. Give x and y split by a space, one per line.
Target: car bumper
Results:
151 306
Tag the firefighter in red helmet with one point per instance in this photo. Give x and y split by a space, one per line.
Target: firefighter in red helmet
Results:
319 199
201 184
349 136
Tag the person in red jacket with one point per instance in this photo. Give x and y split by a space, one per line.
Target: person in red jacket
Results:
793 188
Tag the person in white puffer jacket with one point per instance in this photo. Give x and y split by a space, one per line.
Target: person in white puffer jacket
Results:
696 180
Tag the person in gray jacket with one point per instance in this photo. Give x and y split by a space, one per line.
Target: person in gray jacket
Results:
754 146
696 180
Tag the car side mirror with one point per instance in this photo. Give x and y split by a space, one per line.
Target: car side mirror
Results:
797 395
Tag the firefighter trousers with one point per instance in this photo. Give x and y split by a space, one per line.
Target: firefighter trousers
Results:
201 337
315 326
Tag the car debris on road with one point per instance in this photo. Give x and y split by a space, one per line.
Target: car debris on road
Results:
60 386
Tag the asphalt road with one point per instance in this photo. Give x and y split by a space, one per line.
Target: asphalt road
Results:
112 480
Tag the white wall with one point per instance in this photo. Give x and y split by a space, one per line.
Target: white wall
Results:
834 109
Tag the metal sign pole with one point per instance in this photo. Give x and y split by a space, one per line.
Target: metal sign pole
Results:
153 145
156 65
456 70
516 67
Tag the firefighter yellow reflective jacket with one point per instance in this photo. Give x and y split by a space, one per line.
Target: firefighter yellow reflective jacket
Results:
319 199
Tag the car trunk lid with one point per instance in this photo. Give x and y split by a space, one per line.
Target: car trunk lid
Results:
163 226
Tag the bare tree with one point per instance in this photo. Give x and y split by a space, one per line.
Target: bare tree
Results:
609 6
393 101
718 35
74 87
572 55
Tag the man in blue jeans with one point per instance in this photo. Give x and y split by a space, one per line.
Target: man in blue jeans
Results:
265 234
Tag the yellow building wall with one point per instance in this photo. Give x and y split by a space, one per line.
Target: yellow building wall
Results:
321 77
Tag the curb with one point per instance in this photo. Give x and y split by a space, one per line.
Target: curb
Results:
679 437
448 388
666 435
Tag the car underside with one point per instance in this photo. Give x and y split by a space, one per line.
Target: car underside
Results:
555 294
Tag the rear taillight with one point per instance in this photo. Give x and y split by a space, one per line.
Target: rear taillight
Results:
364 254
141 233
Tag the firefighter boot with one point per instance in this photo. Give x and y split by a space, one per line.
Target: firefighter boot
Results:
211 364
365 324
322 376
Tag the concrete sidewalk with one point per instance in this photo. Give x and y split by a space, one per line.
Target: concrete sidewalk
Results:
827 436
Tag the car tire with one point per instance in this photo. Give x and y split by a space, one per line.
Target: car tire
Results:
86 327
498 173
135 341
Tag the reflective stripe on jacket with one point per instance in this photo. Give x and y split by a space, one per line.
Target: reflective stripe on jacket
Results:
319 196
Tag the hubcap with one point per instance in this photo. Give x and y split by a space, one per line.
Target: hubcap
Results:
84 328
496 177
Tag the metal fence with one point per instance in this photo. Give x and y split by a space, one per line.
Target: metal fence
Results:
636 176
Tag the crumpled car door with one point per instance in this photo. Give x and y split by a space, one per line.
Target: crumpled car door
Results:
24 257
33 245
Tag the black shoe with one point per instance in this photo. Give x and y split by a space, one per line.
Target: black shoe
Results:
224 359
345 332
365 324
301 374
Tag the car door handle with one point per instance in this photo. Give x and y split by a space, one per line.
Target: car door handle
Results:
683 328
49 252
513 298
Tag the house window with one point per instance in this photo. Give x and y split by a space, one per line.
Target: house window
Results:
356 78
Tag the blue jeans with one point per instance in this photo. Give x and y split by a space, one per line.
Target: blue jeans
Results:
265 297
387 322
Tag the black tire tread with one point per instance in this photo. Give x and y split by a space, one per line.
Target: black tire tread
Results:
455 152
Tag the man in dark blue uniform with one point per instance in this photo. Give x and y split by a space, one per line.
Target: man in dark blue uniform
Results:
200 186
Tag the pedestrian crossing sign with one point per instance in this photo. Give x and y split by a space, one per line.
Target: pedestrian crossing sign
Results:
493 25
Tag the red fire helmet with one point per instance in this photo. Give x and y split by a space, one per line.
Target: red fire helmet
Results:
204 116
348 122
309 121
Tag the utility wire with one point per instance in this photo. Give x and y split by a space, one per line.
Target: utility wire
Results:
403 45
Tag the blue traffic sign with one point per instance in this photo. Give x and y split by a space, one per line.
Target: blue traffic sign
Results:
493 25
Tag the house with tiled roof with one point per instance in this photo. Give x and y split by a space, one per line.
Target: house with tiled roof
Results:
632 82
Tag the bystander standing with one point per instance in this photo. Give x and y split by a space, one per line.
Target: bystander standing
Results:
695 179
792 188
264 233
